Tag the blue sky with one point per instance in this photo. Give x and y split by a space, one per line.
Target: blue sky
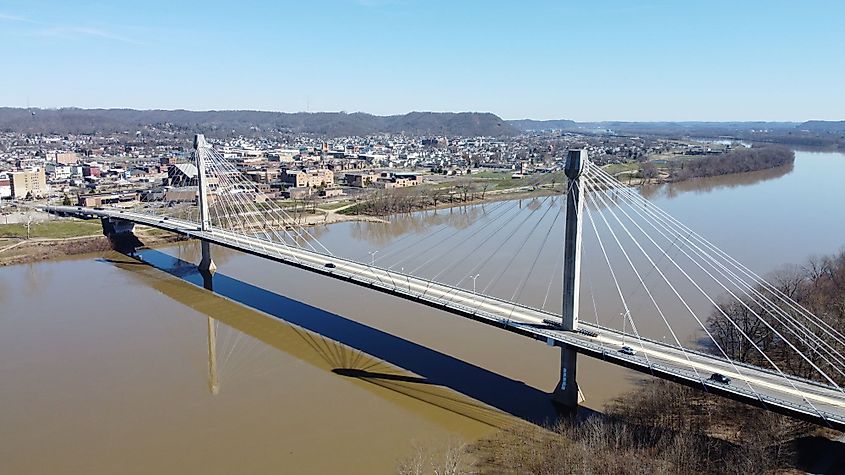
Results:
584 60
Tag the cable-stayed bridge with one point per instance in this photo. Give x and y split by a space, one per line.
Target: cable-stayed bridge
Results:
755 344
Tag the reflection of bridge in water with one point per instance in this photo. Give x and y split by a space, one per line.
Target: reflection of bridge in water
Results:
644 241
397 369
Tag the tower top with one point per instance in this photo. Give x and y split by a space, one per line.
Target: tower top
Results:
576 159
199 141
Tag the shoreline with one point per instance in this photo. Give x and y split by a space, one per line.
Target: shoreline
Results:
16 251
27 251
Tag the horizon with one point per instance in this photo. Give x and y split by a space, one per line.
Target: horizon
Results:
658 121
652 62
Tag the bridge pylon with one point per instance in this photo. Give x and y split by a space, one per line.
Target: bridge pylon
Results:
200 145
566 393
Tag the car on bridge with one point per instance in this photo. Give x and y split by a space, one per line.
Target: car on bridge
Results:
330 265
627 350
720 378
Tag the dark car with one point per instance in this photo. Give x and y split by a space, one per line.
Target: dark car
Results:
720 378
330 265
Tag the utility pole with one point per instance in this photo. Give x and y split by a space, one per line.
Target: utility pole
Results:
28 226
567 393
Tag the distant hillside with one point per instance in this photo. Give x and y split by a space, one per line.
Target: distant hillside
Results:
824 126
649 127
221 123
536 125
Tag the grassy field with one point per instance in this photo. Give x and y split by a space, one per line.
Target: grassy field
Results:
335 205
492 175
615 168
52 229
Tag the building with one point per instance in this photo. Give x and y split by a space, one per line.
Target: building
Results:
389 180
331 192
63 158
320 177
297 193
57 171
28 183
182 174
361 179
283 155
91 171
263 176
5 186
186 174
119 199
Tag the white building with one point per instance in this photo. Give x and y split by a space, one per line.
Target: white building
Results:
5 185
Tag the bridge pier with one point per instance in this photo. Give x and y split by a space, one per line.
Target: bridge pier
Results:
206 265
112 226
566 393
120 234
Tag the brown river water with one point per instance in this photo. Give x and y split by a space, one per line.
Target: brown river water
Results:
106 365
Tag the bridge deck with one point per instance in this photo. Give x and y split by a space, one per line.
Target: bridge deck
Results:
793 396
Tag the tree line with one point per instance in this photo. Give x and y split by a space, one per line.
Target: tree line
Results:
382 202
738 160
819 287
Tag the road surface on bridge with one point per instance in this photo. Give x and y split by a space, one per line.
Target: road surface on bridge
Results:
794 396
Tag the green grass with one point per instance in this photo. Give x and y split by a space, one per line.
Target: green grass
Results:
354 209
492 175
52 229
335 205
615 168
513 183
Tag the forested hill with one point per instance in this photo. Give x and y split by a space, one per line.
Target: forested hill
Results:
218 123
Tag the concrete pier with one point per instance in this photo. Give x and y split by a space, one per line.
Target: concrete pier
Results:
206 262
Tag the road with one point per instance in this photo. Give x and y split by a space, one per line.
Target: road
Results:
793 396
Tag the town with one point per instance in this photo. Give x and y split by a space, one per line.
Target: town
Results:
125 170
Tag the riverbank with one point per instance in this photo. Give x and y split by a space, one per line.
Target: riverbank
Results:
17 249
660 427
397 202
673 168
